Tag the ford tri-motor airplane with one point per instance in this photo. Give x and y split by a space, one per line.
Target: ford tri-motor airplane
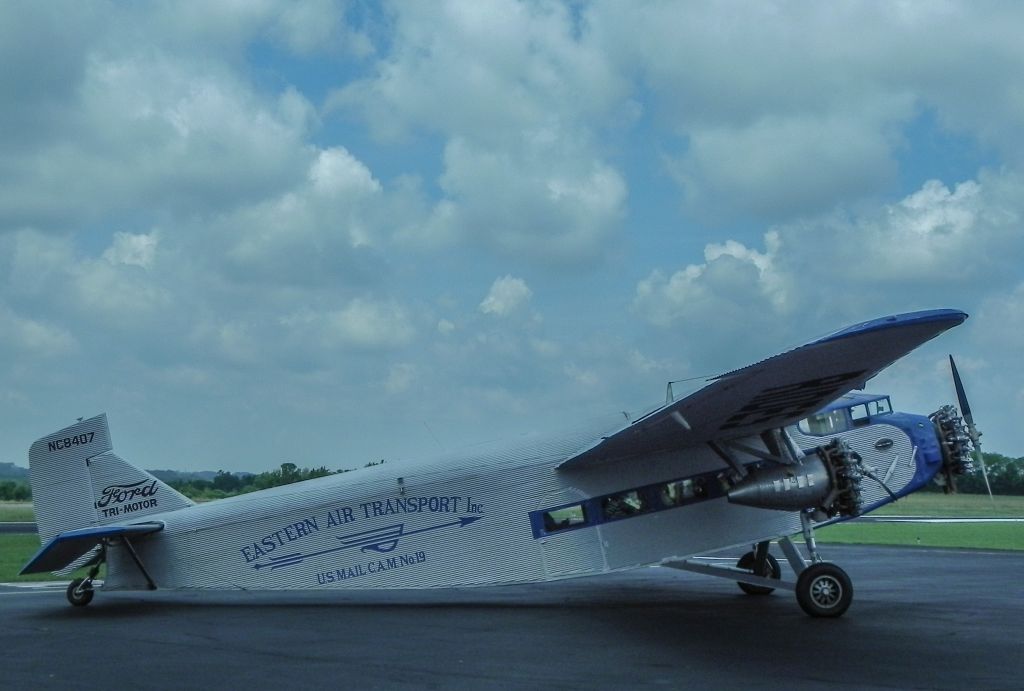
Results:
759 454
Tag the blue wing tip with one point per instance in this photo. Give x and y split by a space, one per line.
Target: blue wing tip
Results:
944 318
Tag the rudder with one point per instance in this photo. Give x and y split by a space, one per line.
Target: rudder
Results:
78 482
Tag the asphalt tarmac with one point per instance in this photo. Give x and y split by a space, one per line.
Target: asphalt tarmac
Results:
22 527
921 619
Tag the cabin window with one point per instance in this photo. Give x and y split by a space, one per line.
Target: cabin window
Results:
616 506
823 424
623 504
681 491
563 518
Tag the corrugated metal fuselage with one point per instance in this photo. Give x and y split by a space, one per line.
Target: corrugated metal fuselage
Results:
460 519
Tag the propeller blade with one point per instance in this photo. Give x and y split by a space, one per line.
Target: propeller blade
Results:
961 396
965 410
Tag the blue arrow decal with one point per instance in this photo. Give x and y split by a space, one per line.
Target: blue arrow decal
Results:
376 540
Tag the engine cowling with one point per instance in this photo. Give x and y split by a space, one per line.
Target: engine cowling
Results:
828 481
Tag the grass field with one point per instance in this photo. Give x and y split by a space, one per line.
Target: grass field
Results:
977 535
955 506
16 550
16 511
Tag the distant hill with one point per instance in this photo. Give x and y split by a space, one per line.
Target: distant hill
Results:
183 475
9 471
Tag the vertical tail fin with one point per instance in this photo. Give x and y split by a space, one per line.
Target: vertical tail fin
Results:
78 482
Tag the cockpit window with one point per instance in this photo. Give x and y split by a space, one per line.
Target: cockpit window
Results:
863 413
880 407
823 424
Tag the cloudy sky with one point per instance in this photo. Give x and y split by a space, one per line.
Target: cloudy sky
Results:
334 232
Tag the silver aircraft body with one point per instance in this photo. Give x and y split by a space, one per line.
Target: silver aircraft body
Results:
759 454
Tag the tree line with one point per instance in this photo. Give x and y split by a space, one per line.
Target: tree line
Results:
15 490
223 484
1006 475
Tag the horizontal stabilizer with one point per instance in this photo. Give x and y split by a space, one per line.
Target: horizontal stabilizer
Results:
68 546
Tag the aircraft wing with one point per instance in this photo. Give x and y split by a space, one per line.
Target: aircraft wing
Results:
68 546
775 392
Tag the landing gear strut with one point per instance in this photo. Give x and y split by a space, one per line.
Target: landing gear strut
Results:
822 588
820 487
80 591
760 563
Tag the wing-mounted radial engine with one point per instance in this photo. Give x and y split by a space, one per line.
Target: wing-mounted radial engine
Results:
959 439
819 486
826 483
956 445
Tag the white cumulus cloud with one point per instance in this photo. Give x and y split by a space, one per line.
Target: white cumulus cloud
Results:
133 249
361 323
27 335
733 279
507 294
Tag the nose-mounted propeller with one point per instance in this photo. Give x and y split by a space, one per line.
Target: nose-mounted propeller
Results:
972 432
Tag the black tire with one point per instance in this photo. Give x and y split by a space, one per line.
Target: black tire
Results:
824 590
747 562
80 595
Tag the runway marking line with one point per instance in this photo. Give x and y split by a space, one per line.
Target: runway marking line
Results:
32 588
924 519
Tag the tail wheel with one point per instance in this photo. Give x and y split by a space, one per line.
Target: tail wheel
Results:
80 592
772 570
824 590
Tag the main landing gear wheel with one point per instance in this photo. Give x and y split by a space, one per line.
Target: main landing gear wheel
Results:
824 590
771 570
80 592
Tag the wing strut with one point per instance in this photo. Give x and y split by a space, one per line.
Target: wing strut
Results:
138 562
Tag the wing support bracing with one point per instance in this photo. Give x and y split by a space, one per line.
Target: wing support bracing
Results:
795 560
732 573
138 562
779 449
